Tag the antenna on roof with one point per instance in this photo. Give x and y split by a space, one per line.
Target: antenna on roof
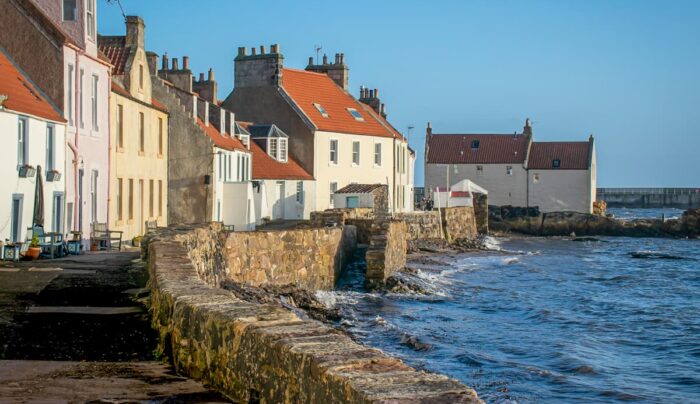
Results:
317 49
119 2
410 128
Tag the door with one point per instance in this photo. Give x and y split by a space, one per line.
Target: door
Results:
16 230
141 215
57 219
93 187
352 202
278 207
81 174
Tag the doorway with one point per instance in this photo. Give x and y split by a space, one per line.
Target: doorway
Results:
278 207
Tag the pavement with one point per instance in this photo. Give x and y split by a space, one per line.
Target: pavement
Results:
76 330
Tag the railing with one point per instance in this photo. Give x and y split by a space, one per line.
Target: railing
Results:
649 191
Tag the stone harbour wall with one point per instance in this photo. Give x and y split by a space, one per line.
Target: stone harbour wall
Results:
339 216
267 354
387 251
421 225
364 229
459 222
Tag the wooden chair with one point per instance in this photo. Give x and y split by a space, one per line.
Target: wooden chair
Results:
51 244
101 238
151 225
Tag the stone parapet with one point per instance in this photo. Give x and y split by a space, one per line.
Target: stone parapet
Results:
340 216
263 353
421 225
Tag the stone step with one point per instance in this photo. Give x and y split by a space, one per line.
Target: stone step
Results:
102 311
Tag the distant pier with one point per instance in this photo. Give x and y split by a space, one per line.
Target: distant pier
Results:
683 198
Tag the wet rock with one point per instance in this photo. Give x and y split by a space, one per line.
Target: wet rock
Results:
654 255
415 343
591 239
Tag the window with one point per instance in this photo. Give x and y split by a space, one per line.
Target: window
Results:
16 230
479 170
475 144
247 168
90 20
230 168
300 192
57 218
377 154
142 132
94 101
535 178
160 198
246 141
239 168
272 147
22 142
70 10
282 150
120 126
50 147
334 151
333 188
322 111
355 114
141 77
80 101
120 213
131 199
151 198
556 163
160 136
69 107
93 189
509 170
221 166
356 153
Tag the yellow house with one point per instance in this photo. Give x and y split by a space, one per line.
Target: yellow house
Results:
138 149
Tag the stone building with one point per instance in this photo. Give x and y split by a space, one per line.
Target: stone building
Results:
336 138
56 42
516 171
283 189
139 142
35 141
209 157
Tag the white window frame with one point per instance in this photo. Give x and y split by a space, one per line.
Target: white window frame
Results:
90 20
282 150
333 152
272 147
333 188
95 83
300 192
22 141
321 110
50 147
355 153
377 154
355 114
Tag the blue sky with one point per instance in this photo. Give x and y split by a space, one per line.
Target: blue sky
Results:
627 71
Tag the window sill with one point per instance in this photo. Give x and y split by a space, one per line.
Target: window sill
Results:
120 150
142 153
130 221
160 156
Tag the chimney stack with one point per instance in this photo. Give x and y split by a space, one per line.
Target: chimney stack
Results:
165 61
201 76
185 63
253 51
258 70
211 74
337 71
152 59
262 49
275 48
241 51
135 28
175 64
527 129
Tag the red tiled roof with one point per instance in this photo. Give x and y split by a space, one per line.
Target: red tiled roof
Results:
493 149
571 155
122 91
359 188
225 142
116 51
22 95
267 168
307 88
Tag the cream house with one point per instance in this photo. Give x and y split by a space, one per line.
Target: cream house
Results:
554 176
336 138
139 141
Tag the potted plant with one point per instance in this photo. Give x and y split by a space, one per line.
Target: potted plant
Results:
53 175
34 250
136 241
27 171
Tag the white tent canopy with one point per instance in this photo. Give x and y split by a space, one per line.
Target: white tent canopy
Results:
459 194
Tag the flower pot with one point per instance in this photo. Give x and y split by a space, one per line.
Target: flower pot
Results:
32 253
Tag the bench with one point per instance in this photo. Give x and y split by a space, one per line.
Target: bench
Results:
101 238
51 244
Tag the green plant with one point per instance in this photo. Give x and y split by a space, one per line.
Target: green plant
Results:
35 241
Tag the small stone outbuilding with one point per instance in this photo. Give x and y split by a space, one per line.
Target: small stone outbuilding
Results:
374 196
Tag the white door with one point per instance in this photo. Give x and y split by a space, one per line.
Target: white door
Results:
278 207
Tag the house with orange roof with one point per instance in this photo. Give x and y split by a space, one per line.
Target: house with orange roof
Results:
36 135
209 156
514 169
55 41
138 153
335 137
283 189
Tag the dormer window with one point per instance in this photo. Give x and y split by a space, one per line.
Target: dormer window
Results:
320 109
556 163
245 139
277 148
475 144
355 114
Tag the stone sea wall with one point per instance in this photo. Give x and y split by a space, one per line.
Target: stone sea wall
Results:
481 213
262 353
387 251
459 222
339 216
421 225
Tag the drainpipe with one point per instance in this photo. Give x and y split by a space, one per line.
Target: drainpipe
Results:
75 147
109 143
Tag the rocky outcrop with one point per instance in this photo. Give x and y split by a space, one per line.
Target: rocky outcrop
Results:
265 353
582 224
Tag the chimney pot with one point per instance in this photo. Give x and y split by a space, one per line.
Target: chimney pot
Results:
275 48
371 93
311 60
376 93
175 64
262 49
201 76
253 51
165 61
337 58
342 58
325 59
241 51
211 74
185 62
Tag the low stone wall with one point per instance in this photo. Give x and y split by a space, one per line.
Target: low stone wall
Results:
481 213
421 225
364 229
459 222
339 216
262 353
387 251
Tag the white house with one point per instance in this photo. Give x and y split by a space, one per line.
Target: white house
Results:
37 133
283 189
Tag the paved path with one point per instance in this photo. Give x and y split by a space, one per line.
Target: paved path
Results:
76 330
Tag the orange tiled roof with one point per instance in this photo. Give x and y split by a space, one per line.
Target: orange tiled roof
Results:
308 88
122 91
22 95
571 155
265 167
116 51
223 141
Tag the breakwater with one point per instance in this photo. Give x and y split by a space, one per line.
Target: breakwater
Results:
683 198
